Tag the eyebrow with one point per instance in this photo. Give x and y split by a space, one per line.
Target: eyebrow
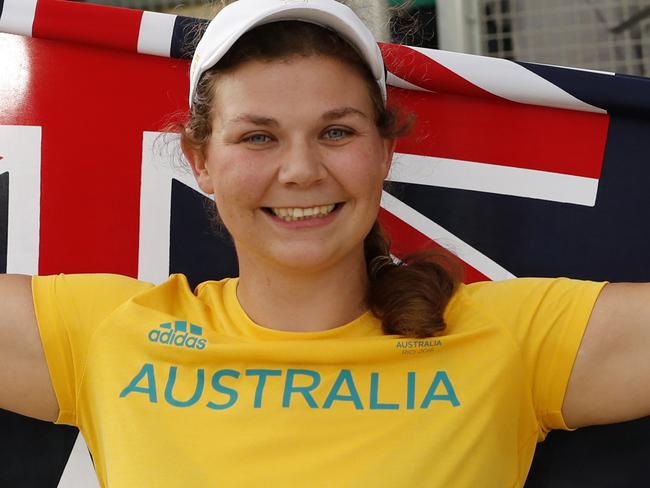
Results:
337 113
255 120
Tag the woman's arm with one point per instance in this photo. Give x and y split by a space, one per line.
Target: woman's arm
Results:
610 381
25 385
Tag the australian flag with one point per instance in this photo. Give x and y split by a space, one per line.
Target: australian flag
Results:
519 169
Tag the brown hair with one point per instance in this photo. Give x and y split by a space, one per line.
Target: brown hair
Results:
408 296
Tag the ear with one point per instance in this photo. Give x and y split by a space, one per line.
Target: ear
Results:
389 151
197 161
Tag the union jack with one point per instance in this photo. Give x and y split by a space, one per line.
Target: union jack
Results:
519 169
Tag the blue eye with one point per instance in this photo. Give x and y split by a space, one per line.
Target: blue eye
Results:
258 138
336 133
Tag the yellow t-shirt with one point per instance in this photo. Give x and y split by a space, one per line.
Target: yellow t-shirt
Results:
175 388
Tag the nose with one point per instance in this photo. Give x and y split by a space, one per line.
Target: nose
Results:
301 165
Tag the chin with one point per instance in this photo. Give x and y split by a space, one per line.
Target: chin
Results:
307 263
306 260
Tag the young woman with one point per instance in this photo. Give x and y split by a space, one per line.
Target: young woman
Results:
325 363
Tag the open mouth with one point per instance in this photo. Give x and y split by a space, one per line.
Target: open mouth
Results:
292 214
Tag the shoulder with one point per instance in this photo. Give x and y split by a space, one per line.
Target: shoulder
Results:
523 290
522 300
93 297
121 284
88 284
103 291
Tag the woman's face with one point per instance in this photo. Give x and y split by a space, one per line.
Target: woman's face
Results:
295 161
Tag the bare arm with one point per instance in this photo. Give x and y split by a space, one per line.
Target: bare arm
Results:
25 385
610 381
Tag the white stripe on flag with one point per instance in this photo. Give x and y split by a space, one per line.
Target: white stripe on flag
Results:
20 149
508 80
586 70
445 238
398 82
492 178
156 31
159 168
18 17
79 471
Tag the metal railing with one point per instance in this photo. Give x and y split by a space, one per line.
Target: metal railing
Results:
610 35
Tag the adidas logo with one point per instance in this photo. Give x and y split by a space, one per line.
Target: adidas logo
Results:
176 334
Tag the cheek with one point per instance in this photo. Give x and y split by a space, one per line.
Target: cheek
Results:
363 171
239 182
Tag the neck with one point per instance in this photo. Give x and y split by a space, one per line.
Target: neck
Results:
303 302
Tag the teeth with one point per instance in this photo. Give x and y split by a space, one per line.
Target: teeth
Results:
292 214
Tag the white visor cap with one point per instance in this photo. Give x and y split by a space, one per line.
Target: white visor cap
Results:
243 15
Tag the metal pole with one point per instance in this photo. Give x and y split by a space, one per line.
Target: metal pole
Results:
375 15
458 28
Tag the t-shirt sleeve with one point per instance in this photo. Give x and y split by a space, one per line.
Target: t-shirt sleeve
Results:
547 319
69 309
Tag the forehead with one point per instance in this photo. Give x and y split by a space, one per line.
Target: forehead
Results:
300 83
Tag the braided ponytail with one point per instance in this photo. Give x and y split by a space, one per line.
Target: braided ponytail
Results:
409 296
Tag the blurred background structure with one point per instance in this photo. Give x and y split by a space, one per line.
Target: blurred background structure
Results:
608 35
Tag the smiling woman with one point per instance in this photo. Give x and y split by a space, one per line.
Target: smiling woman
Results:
294 114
